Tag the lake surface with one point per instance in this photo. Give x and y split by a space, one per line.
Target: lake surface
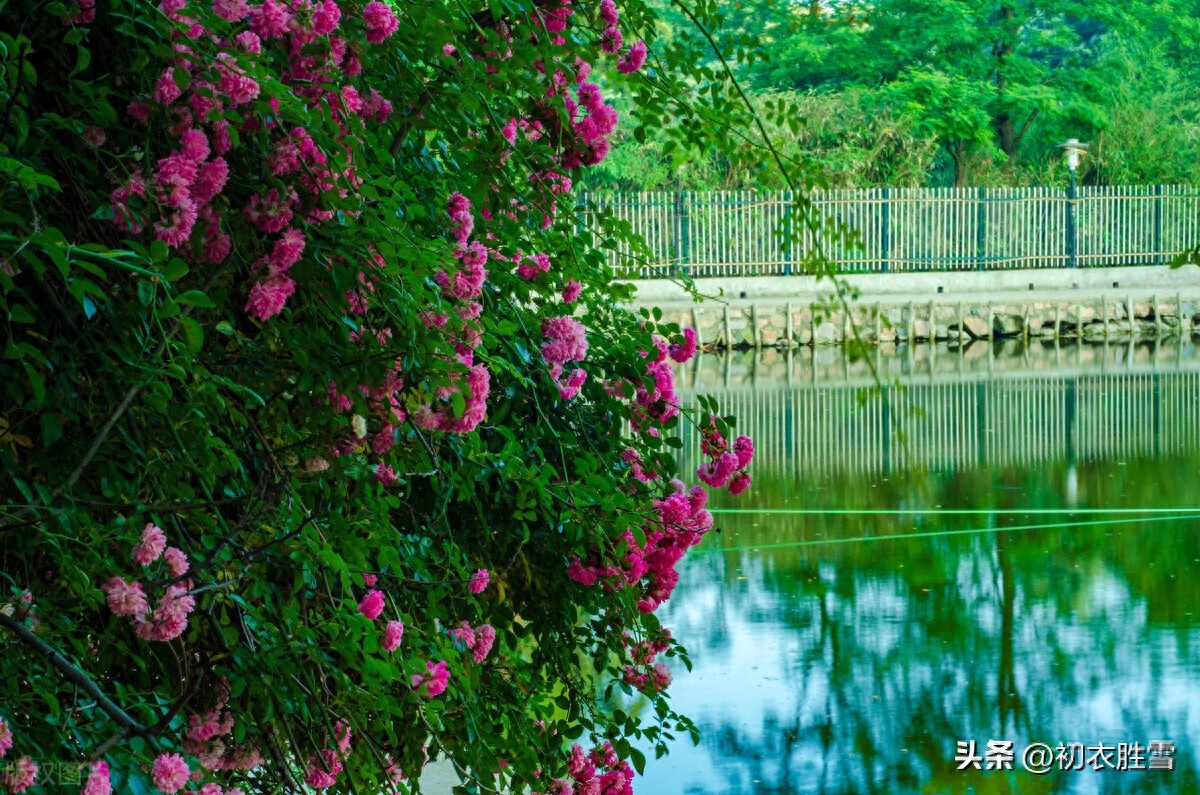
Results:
1003 545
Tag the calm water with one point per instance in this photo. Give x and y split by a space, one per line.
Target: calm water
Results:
848 628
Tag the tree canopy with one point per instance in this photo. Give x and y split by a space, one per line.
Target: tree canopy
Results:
994 85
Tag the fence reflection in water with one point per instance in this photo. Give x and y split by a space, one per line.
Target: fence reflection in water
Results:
950 412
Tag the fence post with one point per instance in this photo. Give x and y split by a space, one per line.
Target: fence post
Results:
886 243
1070 407
787 237
681 215
1072 238
1158 224
980 229
1157 410
886 427
676 233
981 423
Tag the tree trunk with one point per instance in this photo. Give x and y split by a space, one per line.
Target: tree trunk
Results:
1006 133
958 154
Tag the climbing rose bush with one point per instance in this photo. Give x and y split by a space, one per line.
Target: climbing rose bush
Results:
328 447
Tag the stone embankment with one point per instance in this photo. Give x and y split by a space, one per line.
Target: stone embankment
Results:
1100 303
831 366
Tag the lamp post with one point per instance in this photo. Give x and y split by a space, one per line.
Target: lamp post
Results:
1073 150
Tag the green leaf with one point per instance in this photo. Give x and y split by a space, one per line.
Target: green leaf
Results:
145 292
639 761
36 382
175 270
1189 257
19 314
193 335
83 57
195 298
51 428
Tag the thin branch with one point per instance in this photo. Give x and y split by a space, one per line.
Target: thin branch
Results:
180 508
437 464
76 675
121 408
105 429
254 553
216 586
170 714
810 221
281 759
105 746
1025 127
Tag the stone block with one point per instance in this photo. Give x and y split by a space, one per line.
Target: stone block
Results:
865 334
827 333
976 327
1043 328
976 350
1007 324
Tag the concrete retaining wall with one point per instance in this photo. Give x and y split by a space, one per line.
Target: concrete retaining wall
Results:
1057 281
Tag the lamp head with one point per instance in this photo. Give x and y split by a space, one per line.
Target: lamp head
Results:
1073 150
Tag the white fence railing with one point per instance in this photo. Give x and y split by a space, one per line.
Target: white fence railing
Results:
744 233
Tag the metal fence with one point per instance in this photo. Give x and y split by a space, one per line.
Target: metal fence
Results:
962 424
743 233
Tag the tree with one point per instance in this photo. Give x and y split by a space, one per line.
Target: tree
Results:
848 139
314 388
952 110
1029 69
1147 134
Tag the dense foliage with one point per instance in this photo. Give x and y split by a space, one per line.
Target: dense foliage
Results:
327 447
978 92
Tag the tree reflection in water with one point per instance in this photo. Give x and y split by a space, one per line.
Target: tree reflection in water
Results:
855 667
